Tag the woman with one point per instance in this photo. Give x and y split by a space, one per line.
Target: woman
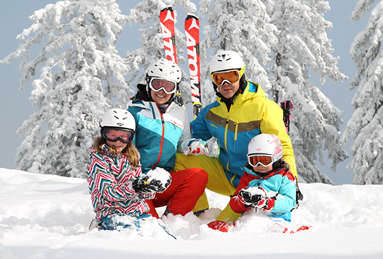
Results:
162 130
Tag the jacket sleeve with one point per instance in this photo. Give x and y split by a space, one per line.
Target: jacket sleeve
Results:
286 197
199 127
235 203
272 123
102 182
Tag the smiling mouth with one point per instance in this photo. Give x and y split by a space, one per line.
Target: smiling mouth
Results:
117 147
160 96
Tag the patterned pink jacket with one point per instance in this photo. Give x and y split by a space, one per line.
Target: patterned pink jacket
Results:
110 185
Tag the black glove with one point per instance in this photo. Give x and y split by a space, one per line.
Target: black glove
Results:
249 198
153 181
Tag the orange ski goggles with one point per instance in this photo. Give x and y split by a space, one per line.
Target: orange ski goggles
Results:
230 76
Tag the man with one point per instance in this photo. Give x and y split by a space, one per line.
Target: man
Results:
241 112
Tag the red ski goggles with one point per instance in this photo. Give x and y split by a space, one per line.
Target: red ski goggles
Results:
263 160
114 134
157 84
230 76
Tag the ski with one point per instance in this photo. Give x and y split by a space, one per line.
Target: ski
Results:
287 106
168 33
192 44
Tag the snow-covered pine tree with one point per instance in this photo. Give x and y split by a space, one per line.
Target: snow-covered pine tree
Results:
80 72
147 13
288 45
241 26
366 123
303 46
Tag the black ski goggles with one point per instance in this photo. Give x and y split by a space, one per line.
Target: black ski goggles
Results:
115 134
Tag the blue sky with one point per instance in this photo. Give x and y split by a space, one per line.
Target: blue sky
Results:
15 106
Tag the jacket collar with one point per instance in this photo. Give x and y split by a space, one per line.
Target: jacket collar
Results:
252 90
258 176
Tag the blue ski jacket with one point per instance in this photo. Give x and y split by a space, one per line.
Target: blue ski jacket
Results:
159 135
280 187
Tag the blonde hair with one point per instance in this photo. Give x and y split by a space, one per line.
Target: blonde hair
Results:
130 151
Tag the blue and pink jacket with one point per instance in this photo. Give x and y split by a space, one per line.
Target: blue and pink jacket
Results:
110 180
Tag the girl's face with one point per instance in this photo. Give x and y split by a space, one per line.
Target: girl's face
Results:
118 145
262 169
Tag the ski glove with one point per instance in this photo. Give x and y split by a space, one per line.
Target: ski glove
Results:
221 225
196 147
157 180
256 197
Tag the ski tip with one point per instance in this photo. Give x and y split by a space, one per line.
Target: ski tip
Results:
190 16
170 8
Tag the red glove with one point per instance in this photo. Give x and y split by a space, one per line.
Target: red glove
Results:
221 225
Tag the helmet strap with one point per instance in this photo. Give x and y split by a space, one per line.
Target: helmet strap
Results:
147 88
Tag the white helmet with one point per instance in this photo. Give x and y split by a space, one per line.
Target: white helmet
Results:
265 145
165 69
226 60
118 118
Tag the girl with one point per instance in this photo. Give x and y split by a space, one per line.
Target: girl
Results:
118 189
267 185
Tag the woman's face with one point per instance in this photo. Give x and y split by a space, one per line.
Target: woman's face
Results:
160 97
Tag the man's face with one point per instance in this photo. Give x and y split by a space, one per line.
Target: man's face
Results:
228 90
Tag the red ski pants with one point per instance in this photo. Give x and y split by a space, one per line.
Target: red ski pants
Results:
180 197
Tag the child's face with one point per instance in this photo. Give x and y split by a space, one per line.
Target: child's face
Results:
118 145
262 169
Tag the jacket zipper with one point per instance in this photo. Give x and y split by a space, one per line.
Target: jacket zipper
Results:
162 139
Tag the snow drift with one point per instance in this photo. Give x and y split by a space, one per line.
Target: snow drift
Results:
47 216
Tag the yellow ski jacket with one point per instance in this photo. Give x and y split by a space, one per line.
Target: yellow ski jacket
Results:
250 114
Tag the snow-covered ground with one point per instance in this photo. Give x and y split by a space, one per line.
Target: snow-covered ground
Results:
47 216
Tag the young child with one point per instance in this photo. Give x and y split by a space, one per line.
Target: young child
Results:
117 187
266 186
